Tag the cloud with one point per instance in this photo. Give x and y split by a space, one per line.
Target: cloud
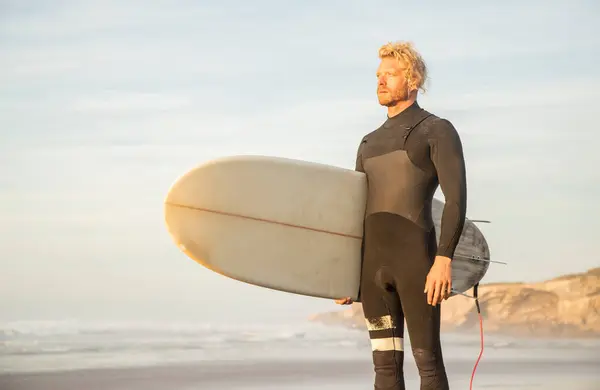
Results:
545 93
117 102
73 19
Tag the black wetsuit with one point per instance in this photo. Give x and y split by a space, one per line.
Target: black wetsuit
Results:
405 160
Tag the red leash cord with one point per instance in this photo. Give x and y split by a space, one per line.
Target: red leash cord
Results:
480 332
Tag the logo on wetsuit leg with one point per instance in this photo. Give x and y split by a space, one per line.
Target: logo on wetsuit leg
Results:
380 323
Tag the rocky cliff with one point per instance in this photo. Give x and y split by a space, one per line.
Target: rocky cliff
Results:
567 306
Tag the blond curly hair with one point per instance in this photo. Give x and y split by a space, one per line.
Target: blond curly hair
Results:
416 69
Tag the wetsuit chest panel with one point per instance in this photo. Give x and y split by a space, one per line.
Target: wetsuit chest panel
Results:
399 187
383 141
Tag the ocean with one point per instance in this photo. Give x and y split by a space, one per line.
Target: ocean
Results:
74 354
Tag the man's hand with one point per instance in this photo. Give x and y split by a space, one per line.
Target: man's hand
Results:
343 301
438 285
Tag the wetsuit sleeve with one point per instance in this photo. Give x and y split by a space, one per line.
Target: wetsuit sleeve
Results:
359 167
447 155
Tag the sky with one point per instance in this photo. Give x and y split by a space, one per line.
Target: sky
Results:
104 104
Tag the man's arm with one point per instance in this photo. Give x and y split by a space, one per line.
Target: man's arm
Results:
447 155
359 166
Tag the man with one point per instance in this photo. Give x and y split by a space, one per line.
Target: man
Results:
405 273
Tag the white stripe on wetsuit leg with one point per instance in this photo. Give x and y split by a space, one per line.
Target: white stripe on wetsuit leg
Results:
388 344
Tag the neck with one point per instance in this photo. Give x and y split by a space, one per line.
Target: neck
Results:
399 107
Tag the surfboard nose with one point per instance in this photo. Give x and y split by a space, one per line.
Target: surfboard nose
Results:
185 228
184 223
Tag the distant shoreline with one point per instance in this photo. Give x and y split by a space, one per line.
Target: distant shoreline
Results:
565 307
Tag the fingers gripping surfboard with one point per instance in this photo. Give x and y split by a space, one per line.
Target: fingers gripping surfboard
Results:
289 225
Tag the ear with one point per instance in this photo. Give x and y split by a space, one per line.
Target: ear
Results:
412 85
413 81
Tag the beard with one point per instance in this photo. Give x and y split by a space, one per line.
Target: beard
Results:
389 98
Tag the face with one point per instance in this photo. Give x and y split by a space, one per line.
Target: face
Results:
392 87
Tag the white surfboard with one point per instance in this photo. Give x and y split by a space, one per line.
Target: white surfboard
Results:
289 225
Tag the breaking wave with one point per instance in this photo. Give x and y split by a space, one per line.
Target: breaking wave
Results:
52 345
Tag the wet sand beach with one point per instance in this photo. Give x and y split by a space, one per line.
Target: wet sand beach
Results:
354 374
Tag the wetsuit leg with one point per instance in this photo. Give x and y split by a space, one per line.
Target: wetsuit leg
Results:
385 323
383 311
397 258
